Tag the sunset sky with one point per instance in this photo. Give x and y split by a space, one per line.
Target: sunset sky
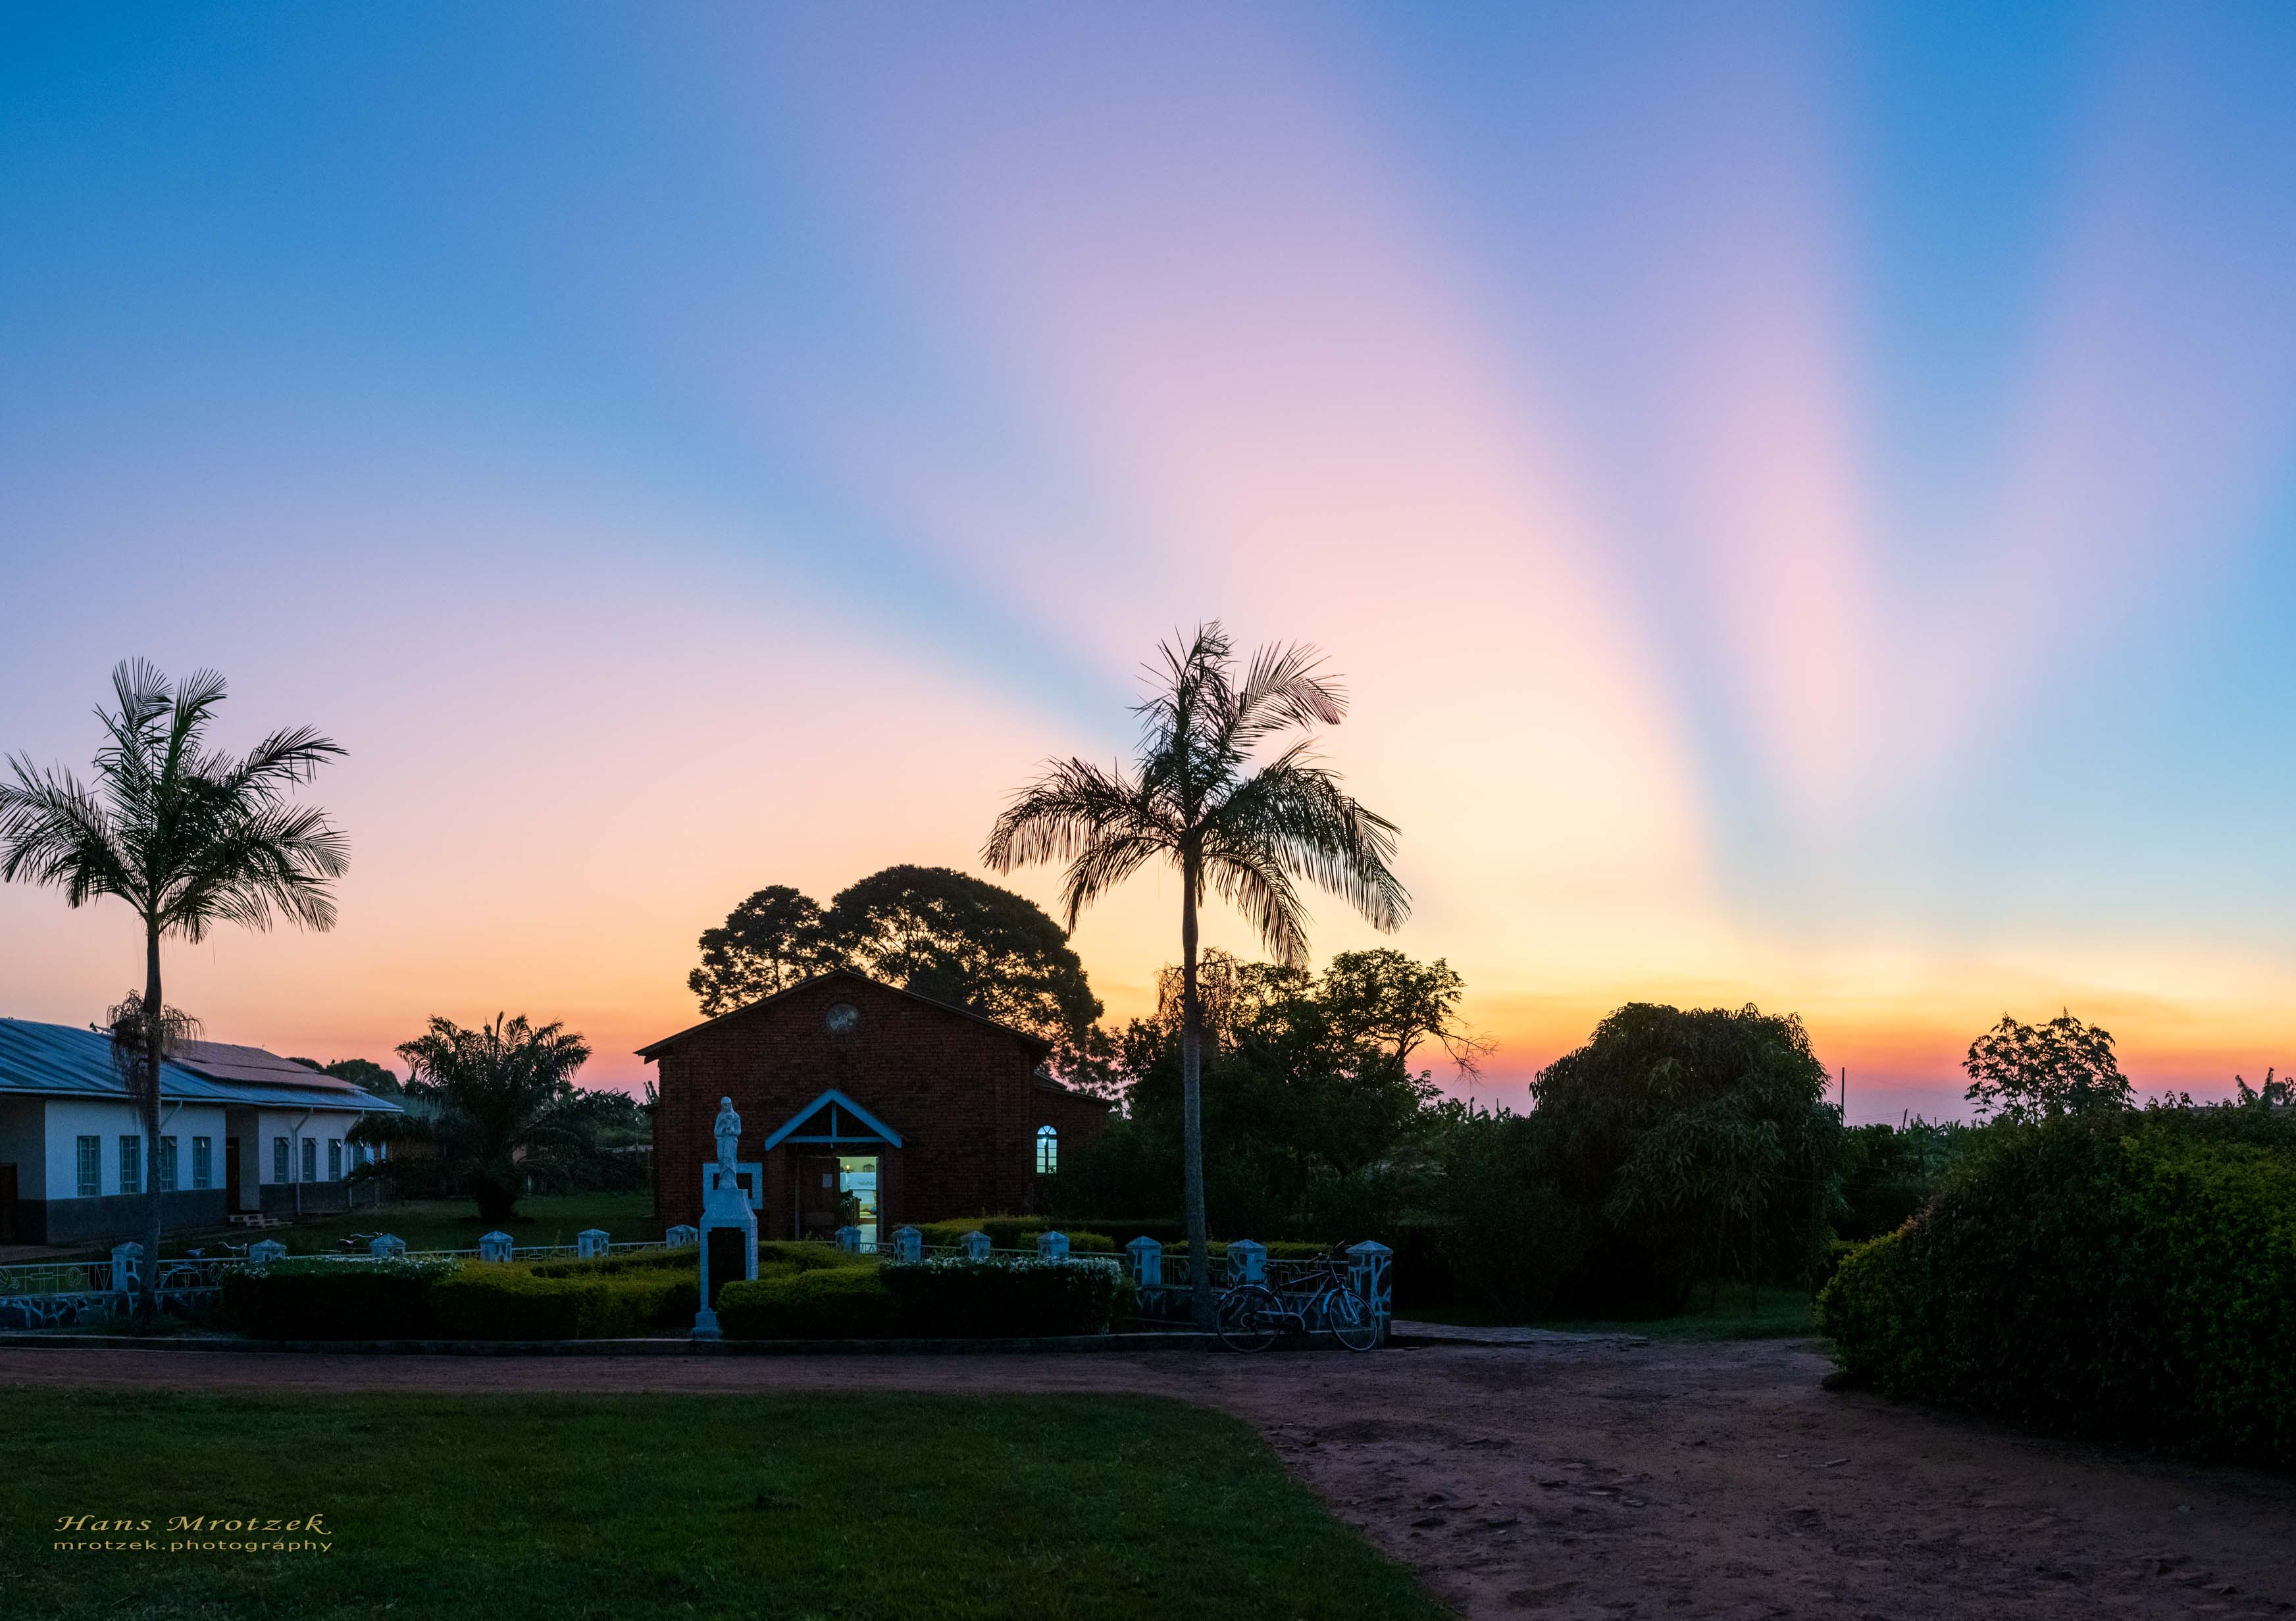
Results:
1804 498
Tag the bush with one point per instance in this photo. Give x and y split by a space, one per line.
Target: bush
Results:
1014 1233
2131 1278
686 1260
823 1303
322 1298
1006 1298
498 1302
806 1256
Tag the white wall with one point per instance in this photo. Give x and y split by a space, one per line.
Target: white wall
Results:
321 1125
68 1119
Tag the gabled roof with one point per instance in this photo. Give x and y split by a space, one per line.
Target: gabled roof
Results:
839 1105
66 1061
1035 1044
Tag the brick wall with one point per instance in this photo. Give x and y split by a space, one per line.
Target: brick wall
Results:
960 1093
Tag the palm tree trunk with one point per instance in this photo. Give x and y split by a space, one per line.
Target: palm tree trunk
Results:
1192 1106
147 1299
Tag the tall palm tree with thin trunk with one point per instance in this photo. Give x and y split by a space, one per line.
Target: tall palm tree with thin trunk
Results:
1246 833
184 834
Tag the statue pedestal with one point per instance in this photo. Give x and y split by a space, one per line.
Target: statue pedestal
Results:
729 1242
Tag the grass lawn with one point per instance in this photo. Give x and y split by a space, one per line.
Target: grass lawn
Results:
1785 1314
857 1505
454 1224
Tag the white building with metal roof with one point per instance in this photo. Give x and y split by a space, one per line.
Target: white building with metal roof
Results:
242 1132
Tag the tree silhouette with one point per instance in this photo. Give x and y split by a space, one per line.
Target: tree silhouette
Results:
1246 834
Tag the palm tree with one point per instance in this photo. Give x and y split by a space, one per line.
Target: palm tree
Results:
498 1104
185 834
1193 797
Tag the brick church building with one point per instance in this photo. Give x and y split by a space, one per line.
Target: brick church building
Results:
851 1089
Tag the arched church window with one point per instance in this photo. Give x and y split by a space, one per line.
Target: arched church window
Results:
1048 1150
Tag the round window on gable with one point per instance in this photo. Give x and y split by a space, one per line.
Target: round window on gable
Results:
844 1018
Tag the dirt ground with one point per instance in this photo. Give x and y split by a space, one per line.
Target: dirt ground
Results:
1561 1479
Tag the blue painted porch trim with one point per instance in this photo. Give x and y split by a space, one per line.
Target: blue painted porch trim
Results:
832 1097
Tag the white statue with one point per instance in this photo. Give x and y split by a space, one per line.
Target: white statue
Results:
727 1130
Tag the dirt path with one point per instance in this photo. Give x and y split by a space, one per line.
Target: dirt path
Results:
1565 1480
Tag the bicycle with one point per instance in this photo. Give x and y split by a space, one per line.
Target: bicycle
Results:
1251 1315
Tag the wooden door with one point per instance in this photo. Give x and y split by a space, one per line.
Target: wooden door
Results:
231 1175
816 1196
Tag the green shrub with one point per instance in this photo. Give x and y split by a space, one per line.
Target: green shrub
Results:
1014 1233
685 1259
324 1298
1007 1297
2127 1277
824 1303
498 1302
807 1255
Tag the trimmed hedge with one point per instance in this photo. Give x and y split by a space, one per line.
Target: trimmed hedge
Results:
1007 1299
2131 1278
325 1299
824 1302
686 1260
1014 1233
807 1255
500 1302
319 1298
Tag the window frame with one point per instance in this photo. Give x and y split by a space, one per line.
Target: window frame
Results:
1048 1150
88 1171
281 1162
166 1165
310 1159
202 1164
131 1163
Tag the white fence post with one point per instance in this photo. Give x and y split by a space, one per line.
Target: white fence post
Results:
267 1249
681 1236
590 1241
849 1237
127 1267
908 1243
495 1246
1052 1246
1247 1261
385 1245
976 1246
1371 1273
1147 1261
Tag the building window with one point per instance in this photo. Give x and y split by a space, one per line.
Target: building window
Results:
310 1159
202 1162
1048 1150
91 1167
165 1171
131 1165
334 1159
278 1159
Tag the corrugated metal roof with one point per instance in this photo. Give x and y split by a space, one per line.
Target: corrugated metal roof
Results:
65 1061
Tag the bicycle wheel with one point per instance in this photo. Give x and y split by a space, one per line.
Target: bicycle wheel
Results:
1350 1321
1247 1319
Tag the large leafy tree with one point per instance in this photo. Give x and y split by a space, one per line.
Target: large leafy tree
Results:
2032 1072
498 1106
768 944
1245 829
186 835
967 943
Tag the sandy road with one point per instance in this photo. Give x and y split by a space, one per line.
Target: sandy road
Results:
1561 1480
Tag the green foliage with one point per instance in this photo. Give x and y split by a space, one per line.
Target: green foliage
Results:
1886 1174
825 1302
498 1302
930 930
2126 1276
1013 1233
686 1259
365 1074
810 1255
2037 1071
318 1298
1508 1237
770 942
499 1108
1007 1299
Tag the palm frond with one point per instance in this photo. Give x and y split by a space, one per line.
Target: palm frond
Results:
1057 816
1297 812
1252 880
1285 686
55 831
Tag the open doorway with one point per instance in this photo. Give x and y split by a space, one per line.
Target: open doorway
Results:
856 1179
